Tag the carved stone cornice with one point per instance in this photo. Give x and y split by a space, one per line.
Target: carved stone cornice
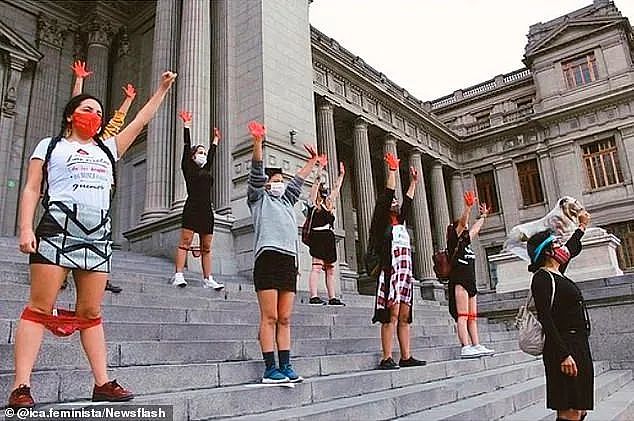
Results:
50 31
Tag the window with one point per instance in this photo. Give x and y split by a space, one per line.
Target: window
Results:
602 163
530 183
485 183
580 71
493 271
625 232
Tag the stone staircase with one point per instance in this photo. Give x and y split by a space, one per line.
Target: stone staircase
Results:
196 349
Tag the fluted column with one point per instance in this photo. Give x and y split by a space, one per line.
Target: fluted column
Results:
327 144
99 38
423 265
390 146
194 85
456 195
363 180
220 103
161 131
439 198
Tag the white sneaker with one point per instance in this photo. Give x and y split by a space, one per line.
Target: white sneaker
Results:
483 350
469 351
178 280
211 283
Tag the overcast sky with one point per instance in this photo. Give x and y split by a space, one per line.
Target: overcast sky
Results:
433 47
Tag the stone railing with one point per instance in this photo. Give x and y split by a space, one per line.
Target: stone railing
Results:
488 86
517 115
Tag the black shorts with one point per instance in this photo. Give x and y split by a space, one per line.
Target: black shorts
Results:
469 286
274 270
198 218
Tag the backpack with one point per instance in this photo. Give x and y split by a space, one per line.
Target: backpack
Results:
49 151
308 224
531 335
442 261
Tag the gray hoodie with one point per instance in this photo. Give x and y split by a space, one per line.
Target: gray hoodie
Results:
274 220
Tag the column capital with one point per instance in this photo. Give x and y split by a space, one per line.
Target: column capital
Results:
361 122
100 32
50 31
326 104
416 151
391 136
437 162
505 163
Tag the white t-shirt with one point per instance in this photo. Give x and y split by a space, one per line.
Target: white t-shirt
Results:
78 173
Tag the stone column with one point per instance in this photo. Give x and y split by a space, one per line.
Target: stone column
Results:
390 146
510 195
457 192
100 34
363 181
220 103
423 266
194 85
551 189
326 143
10 149
439 198
161 131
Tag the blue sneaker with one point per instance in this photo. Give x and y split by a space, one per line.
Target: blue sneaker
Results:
274 375
291 374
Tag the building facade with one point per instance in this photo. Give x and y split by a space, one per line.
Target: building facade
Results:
564 125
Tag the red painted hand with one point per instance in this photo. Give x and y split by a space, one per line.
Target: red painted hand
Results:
469 198
392 161
186 116
312 152
257 130
129 91
79 68
322 161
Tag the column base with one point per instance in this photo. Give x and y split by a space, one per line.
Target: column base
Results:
149 215
366 285
433 290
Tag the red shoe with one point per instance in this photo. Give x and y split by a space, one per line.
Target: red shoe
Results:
21 398
111 392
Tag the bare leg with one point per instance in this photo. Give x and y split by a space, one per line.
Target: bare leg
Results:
181 252
90 291
387 332
462 305
267 300
285 303
46 281
205 257
313 279
330 280
472 324
403 331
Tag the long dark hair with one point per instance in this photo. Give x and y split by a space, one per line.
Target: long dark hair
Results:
70 108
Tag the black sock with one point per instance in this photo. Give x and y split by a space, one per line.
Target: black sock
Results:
285 357
269 359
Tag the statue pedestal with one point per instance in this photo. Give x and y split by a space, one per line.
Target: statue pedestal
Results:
598 259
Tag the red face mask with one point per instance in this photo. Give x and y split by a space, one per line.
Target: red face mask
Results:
561 255
86 124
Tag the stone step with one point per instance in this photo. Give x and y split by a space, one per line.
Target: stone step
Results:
365 399
605 386
133 332
504 402
73 384
11 310
618 407
67 353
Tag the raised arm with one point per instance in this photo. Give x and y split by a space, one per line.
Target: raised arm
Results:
257 178
477 226
211 154
79 69
186 116
469 201
574 242
312 198
294 187
337 189
116 122
413 180
145 114
392 165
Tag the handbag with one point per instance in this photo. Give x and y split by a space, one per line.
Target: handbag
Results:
531 335
442 262
308 224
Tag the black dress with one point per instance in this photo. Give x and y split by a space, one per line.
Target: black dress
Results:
566 326
322 237
198 213
462 266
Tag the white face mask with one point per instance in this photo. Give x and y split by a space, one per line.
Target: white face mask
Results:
277 188
200 159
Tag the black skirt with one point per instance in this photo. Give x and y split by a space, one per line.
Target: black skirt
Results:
469 286
323 245
565 392
275 270
198 217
